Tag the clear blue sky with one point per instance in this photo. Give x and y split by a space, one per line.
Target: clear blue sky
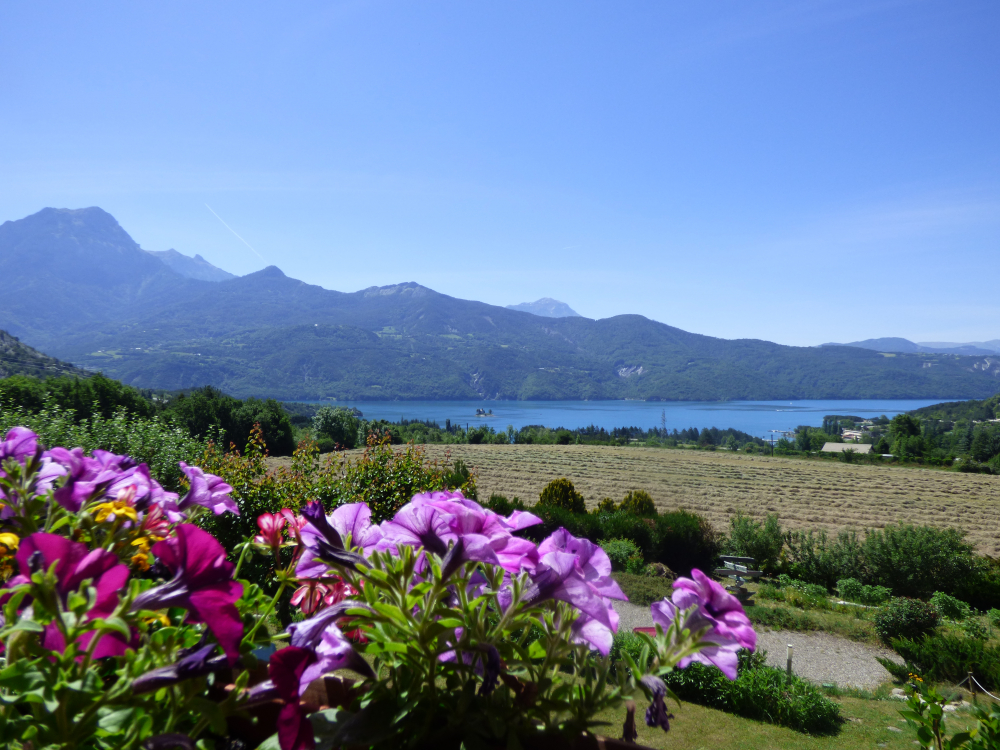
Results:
800 172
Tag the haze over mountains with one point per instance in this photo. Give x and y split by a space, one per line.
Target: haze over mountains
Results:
192 268
891 344
76 286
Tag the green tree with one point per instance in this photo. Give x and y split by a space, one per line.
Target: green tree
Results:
338 424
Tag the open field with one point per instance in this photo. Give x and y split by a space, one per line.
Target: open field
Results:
804 494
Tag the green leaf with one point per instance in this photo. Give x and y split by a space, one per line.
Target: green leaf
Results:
271 743
450 622
536 650
399 648
116 624
114 722
27 625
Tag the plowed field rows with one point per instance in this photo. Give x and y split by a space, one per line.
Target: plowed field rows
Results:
804 494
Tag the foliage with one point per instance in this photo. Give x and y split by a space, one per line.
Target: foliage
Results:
852 590
92 641
560 493
340 425
85 397
681 540
759 692
949 657
624 555
154 442
782 618
994 617
917 560
813 556
642 589
203 411
382 476
950 607
500 505
905 618
638 503
761 541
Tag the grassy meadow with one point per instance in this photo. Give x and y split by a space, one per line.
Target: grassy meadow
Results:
805 494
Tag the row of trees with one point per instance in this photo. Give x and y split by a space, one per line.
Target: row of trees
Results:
203 412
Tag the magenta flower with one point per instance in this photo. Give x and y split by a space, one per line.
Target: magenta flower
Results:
729 628
202 583
74 565
285 668
208 491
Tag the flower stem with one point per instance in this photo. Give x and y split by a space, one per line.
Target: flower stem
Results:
248 638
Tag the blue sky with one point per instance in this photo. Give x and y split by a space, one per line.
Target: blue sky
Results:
801 172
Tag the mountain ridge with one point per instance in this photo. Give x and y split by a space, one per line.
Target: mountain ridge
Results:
267 334
546 307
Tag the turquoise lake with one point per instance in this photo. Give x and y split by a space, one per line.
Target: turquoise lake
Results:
758 418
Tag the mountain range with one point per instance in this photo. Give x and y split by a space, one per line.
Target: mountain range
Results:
77 286
546 307
192 268
904 346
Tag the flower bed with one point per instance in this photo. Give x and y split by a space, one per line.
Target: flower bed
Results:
125 625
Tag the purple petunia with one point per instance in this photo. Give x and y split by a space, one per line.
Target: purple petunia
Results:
322 532
728 627
207 490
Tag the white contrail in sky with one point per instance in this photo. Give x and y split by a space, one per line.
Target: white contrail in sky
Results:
234 232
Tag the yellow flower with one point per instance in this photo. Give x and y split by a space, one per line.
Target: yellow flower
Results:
114 510
142 543
9 541
141 560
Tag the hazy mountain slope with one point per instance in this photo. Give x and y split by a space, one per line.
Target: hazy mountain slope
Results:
77 286
191 268
20 359
546 307
67 270
905 346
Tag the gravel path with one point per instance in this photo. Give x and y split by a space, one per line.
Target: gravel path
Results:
817 657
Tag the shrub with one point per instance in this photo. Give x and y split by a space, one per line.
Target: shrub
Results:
560 493
814 557
620 551
975 629
947 657
905 618
994 617
981 589
644 590
683 541
759 692
949 606
607 505
761 541
780 618
638 503
500 504
917 560
852 590
154 442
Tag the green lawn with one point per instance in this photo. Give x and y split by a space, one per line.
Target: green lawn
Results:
696 727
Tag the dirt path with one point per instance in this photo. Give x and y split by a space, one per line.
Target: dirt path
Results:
817 657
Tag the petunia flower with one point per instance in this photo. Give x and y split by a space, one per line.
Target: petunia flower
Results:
323 537
202 583
197 663
719 612
271 525
285 668
19 443
592 561
74 565
208 491
657 714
